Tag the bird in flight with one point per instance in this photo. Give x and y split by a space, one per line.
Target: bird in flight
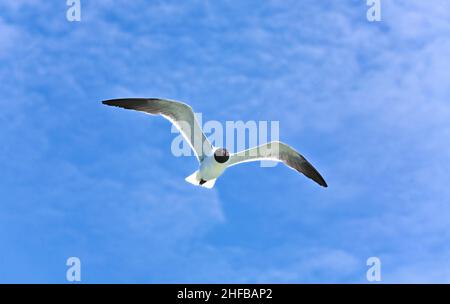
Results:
212 160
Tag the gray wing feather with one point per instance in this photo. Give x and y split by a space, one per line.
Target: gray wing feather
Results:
278 151
178 113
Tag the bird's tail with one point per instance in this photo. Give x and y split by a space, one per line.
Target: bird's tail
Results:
209 184
195 180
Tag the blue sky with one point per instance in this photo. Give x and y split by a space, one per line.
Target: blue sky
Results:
366 103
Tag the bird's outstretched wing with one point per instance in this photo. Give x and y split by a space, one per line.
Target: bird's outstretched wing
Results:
178 113
278 151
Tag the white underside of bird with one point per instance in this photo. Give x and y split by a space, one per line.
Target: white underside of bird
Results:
214 161
209 171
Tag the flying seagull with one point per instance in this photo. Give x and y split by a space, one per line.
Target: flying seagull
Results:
212 160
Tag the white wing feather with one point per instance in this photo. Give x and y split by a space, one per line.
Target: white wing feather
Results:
280 152
178 113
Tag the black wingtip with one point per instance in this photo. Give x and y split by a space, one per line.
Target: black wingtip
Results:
127 103
321 181
119 102
113 102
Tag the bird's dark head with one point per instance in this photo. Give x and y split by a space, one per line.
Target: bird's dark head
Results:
221 155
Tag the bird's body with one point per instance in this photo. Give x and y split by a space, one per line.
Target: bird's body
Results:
213 161
210 169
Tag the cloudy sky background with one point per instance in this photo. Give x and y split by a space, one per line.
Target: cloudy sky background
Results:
367 103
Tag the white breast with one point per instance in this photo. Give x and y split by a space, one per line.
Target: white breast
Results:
210 169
